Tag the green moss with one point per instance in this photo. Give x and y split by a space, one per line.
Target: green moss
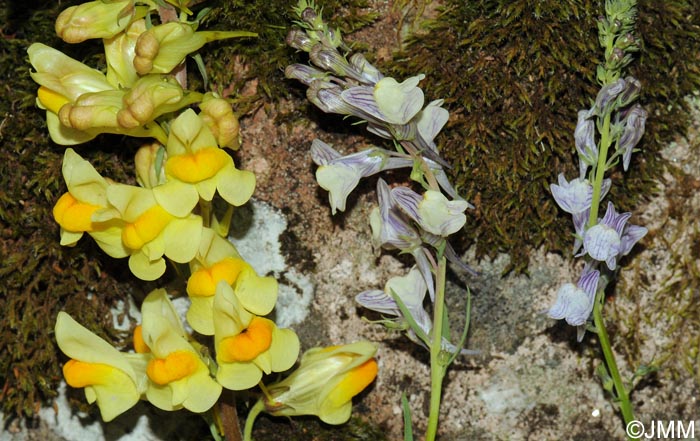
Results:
514 75
39 277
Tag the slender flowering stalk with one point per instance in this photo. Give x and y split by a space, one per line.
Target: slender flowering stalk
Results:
603 241
415 223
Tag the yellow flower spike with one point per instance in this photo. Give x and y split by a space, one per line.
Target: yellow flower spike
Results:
179 378
325 382
106 374
96 19
218 116
248 346
161 48
119 54
194 158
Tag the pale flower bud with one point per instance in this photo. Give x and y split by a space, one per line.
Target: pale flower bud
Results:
92 110
149 161
150 97
163 47
96 19
218 116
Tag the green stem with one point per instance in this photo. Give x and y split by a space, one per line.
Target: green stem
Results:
437 366
250 419
600 169
620 389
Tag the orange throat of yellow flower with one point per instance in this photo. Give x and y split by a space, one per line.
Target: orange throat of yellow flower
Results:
249 344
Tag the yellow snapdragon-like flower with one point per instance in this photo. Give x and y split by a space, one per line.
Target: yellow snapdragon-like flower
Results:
248 345
195 159
178 377
218 261
150 231
325 382
108 376
87 194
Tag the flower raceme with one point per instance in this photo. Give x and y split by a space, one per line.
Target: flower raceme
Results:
325 382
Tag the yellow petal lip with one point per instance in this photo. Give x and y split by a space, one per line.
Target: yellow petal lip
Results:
175 366
51 100
249 344
73 215
81 374
146 227
353 383
203 281
197 166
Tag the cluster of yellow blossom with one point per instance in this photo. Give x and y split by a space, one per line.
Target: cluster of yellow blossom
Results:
169 216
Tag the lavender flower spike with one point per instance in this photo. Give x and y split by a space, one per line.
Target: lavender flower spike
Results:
575 302
611 237
341 174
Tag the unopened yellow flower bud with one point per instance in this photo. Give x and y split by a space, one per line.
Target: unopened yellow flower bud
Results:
96 19
161 48
218 116
325 383
150 97
149 161
92 110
